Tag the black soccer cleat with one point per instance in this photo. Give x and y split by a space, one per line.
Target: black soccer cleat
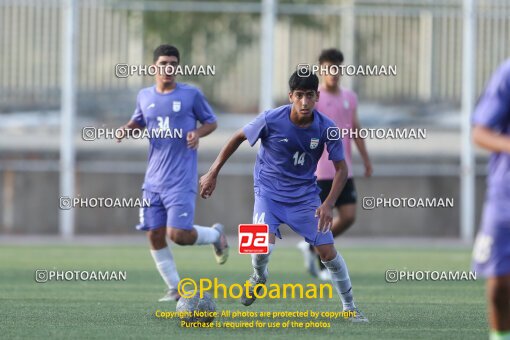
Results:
254 280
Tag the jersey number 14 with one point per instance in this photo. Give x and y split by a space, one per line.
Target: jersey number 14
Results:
299 159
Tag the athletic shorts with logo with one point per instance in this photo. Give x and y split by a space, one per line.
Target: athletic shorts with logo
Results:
176 210
299 216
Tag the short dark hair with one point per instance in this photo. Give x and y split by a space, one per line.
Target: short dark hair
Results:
299 81
331 55
166 50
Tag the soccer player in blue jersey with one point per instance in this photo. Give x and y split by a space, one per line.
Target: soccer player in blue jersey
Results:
293 138
171 177
491 253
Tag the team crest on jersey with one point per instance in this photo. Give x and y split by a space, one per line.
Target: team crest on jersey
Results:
176 105
314 143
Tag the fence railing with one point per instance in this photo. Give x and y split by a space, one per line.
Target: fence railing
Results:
422 38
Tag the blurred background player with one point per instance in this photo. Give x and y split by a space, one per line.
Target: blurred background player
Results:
491 252
171 177
340 105
292 141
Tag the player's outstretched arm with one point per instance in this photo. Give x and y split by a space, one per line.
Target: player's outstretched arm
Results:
360 144
325 211
208 181
131 125
490 140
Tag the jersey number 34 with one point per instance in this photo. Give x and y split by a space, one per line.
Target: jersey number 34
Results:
163 123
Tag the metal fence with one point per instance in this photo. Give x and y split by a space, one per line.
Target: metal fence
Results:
422 38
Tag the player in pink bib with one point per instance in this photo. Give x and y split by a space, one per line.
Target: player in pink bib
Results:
340 105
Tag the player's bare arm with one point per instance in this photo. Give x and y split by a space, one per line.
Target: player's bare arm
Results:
360 144
325 211
131 125
208 181
490 139
193 137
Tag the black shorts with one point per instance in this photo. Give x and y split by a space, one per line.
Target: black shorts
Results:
347 196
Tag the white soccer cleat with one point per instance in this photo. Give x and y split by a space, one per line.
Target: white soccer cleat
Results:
220 247
171 295
310 258
324 275
356 315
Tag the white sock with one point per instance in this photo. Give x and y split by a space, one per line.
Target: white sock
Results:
166 266
206 235
497 335
341 281
260 261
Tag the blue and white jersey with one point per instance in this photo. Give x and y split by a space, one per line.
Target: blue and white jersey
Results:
172 166
288 156
493 112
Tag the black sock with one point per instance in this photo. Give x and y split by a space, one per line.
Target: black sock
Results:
321 265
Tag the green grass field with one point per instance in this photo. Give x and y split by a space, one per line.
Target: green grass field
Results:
403 310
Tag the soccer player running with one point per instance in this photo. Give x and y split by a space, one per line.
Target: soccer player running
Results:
292 140
340 105
171 177
491 253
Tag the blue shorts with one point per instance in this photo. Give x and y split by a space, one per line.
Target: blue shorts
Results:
176 210
299 216
491 253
